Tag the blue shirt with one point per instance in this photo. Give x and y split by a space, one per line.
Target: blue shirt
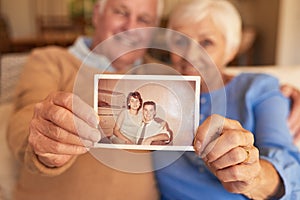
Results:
256 102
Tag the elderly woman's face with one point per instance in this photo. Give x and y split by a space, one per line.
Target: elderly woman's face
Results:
204 33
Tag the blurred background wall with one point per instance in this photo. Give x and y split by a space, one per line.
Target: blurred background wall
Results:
272 26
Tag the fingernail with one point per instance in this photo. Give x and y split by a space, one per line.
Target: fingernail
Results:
97 121
197 146
88 143
94 119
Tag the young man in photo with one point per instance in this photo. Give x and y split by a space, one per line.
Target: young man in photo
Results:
153 130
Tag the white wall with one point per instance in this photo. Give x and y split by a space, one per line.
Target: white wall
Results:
288 43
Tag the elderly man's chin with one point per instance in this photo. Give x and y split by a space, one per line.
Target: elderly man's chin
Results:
125 62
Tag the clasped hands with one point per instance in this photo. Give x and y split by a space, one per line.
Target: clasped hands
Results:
62 127
228 151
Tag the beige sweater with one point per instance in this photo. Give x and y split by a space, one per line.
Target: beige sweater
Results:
85 177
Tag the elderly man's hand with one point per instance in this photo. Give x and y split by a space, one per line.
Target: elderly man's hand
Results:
62 126
228 151
294 118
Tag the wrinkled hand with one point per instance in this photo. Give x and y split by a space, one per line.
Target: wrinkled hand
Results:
62 126
294 118
230 154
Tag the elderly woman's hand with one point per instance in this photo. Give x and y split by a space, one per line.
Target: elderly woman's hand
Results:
228 151
62 127
294 94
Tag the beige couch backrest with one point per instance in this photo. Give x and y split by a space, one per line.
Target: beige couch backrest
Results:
286 74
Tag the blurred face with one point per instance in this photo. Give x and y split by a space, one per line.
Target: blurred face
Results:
204 33
134 103
148 112
123 15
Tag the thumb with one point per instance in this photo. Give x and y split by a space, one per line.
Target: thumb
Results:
207 134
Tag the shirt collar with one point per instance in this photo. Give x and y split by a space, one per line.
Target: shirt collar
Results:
81 50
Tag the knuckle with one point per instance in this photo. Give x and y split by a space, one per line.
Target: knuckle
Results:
33 135
237 155
55 147
237 123
31 139
233 138
57 114
60 160
68 99
255 152
249 137
34 141
33 125
58 133
38 107
235 173
212 156
214 116
252 138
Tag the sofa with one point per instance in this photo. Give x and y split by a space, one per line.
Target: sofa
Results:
11 66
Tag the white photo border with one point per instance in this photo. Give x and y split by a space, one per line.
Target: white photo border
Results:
196 79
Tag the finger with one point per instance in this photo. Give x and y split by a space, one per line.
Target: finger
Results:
241 172
297 138
293 94
286 90
65 119
42 144
54 160
208 131
77 106
208 148
58 134
293 119
228 140
211 128
235 156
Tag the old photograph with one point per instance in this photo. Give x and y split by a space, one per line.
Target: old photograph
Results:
147 112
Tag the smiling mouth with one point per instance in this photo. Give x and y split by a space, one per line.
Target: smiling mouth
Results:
129 41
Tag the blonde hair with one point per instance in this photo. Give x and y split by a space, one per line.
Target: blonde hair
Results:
159 12
223 13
